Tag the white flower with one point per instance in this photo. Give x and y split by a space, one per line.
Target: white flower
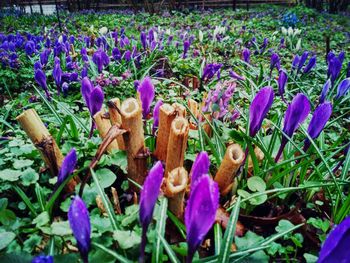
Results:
290 31
200 36
60 39
103 30
284 30
298 46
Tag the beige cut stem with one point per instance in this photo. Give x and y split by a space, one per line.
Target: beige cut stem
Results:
134 140
166 116
116 118
175 188
177 144
233 159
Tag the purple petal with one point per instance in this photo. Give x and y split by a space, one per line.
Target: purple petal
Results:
200 212
68 166
149 194
86 88
343 88
259 107
234 75
318 121
43 259
336 246
200 167
310 65
79 221
282 81
96 100
156 115
146 90
325 90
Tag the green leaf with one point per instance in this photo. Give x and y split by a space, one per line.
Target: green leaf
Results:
105 177
61 228
168 249
19 164
6 238
310 258
42 219
256 184
284 225
160 216
111 252
119 159
7 217
229 235
126 239
32 242
29 176
258 200
10 175
16 258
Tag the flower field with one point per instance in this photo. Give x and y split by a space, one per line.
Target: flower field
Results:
193 136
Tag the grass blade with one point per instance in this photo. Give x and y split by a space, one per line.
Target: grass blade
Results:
160 228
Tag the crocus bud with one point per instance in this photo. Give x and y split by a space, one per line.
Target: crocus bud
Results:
96 100
335 248
334 68
43 259
200 167
302 60
143 38
343 88
246 55
295 62
295 115
186 47
325 90
40 78
146 91
57 73
148 198
200 212
258 109
274 62
234 75
319 119
68 166
156 115
101 59
310 65
79 221
282 81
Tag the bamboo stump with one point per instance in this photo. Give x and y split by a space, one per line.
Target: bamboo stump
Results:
44 142
116 118
103 125
232 161
177 144
175 188
166 116
134 140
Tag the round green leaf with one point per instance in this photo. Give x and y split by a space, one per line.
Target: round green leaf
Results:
256 184
106 177
6 238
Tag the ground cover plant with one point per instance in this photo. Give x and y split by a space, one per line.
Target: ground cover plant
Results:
204 136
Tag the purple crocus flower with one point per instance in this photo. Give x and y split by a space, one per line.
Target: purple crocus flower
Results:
146 91
37 65
210 70
258 109
282 81
295 62
127 55
43 259
275 62
29 47
68 166
302 60
186 47
343 88
116 54
336 246
44 56
79 221
40 78
57 73
101 59
334 68
310 65
93 96
148 197
325 90
200 167
246 55
200 212
348 71
143 38
234 75
156 115
319 119
295 115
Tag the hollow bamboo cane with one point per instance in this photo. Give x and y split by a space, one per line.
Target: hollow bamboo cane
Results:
193 106
103 125
233 159
177 144
166 116
134 140
175 188
44 142
116 118
180 109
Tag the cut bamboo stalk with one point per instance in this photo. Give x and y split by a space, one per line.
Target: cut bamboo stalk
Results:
175 188
44 142
177 144
103 126
166 116
193 106
134 140
116 202
179 109
101 206
232 161
259 156
116 118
